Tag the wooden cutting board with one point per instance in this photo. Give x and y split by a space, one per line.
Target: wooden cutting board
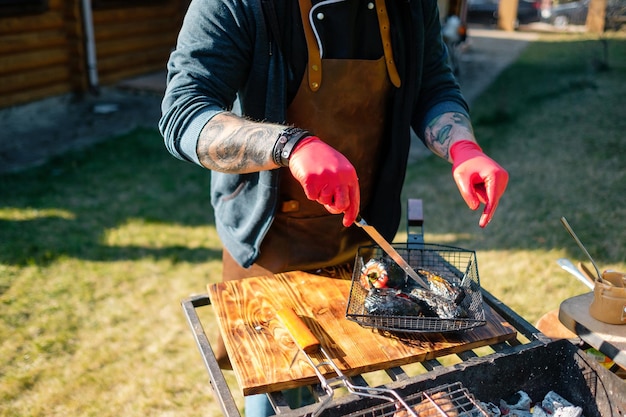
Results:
262 352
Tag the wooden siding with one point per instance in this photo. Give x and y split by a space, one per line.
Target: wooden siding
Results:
132 41
36 54
44 54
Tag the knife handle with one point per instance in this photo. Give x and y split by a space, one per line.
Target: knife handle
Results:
301 334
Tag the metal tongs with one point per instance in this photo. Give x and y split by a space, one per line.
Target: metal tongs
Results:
308 344
581 246
610 278
389 250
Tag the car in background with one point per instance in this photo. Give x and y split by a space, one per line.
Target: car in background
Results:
486 11
615 14
568 13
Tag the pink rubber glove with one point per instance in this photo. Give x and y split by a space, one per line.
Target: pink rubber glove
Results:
479 178
326 177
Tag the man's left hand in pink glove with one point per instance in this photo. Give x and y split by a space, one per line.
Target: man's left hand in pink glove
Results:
479 178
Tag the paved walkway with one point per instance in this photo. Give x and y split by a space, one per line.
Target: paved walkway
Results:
486 54
34 133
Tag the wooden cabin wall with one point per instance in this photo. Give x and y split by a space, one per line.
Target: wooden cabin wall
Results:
39 54
135 40
43 54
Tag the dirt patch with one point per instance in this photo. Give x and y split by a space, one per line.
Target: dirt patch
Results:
36 132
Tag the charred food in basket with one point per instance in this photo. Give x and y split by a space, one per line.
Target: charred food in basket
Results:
390 293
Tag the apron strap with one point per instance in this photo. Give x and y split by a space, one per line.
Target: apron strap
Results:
314 65
383 23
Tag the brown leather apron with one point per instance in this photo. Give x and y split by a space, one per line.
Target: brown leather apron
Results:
344 102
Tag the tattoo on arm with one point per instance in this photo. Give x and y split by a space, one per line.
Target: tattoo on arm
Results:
446 129
231 144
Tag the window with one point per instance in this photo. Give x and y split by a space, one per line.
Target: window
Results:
19 7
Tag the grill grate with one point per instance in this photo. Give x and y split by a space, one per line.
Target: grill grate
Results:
444 400
457 266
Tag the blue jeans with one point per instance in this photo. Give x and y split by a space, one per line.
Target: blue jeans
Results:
259 406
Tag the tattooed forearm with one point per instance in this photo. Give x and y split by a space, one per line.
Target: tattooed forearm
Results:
446 129
231 144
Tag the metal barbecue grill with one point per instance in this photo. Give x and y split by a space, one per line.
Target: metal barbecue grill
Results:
535 369
529 362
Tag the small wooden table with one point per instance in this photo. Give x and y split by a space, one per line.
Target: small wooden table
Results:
610 339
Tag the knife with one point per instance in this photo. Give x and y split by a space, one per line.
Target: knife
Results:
389 250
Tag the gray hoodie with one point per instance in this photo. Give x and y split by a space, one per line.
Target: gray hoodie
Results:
225 51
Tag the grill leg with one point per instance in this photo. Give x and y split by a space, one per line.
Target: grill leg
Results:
217 380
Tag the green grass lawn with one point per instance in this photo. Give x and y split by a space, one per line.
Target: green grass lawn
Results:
557 125
98 248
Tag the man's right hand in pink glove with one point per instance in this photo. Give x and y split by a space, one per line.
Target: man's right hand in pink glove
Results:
479 178
326 177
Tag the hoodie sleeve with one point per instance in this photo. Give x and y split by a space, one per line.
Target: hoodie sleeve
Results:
208 66
440 92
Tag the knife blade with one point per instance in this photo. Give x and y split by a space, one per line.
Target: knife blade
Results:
389 250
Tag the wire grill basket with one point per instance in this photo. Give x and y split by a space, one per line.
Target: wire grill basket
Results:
456 266
444 400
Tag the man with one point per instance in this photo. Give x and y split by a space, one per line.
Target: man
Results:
329 92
